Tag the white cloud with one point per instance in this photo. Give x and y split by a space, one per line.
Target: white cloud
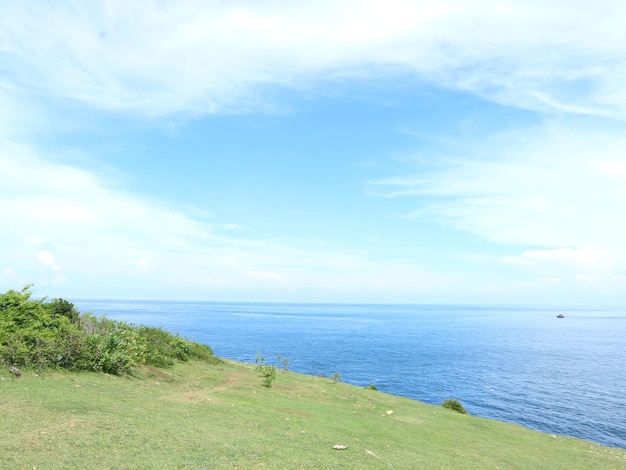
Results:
209 56
563 256
548 280
569 265
144 264
544 188
67 228
122 245
47 259
55 274
267 276
7 276
556 190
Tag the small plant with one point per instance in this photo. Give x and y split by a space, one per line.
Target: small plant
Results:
268 371
455 405
269 374
371 387
285 364
259 360
336 377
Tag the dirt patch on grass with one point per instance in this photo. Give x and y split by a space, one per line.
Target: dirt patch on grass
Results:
233 379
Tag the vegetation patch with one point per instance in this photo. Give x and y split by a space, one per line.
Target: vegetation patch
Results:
42 334
268 371
455 405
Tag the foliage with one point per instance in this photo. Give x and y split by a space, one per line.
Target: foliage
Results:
61 307
37 334
336 377
40 334
269 374
268 371
203 352
259 360
371 387
455 405
285 364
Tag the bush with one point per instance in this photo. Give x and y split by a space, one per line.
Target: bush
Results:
269 374
336 377
61 307
162 348
455 405
202 352
34 333
40 334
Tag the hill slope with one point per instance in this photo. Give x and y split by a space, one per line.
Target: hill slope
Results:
197 415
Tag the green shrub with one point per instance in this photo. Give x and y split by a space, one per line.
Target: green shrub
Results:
336 377
455 405
284 362
162 348
202 352
268 372
34 333
40 334
61 307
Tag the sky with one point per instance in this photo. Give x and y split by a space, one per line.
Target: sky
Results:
315 151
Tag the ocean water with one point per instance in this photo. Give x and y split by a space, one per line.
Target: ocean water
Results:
517 364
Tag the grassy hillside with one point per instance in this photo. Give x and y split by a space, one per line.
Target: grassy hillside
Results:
199 415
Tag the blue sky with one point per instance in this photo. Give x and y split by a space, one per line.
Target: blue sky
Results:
344 151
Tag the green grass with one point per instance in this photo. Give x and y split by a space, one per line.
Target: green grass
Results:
197 415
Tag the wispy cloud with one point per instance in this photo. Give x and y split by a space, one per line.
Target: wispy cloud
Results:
559 188
204 57
64 225
549 192
47 259
549 187
576 266
558 256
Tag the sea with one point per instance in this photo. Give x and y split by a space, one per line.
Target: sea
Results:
563 376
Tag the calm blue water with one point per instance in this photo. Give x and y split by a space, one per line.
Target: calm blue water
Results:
523 365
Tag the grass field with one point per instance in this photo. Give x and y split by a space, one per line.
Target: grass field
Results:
197 415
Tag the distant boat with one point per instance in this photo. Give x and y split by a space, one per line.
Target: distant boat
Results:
560 315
